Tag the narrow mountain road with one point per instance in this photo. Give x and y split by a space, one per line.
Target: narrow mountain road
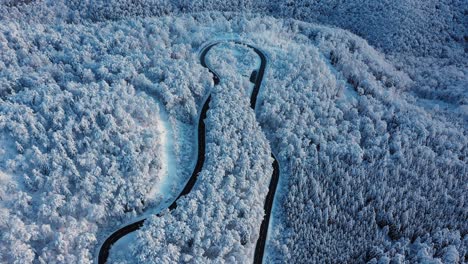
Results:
256 77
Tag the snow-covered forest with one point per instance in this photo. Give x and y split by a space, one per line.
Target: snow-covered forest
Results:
369 173
365 105
79 124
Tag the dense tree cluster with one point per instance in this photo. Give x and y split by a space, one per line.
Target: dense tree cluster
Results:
230 57
79 161
396 26
369 176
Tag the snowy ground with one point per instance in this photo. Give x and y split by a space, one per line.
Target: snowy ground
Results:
171 173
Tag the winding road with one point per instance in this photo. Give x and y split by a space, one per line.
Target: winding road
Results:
256 77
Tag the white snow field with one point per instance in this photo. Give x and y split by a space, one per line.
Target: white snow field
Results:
365 104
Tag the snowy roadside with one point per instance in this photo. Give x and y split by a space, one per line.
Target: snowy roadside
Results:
174 174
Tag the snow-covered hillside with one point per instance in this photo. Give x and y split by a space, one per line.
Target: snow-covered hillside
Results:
369 121
370 177
81 131
426 39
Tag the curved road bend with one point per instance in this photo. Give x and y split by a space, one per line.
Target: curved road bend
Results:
260 247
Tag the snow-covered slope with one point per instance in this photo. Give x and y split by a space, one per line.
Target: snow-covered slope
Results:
371 131
367 172
430 27
81 130
427 39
